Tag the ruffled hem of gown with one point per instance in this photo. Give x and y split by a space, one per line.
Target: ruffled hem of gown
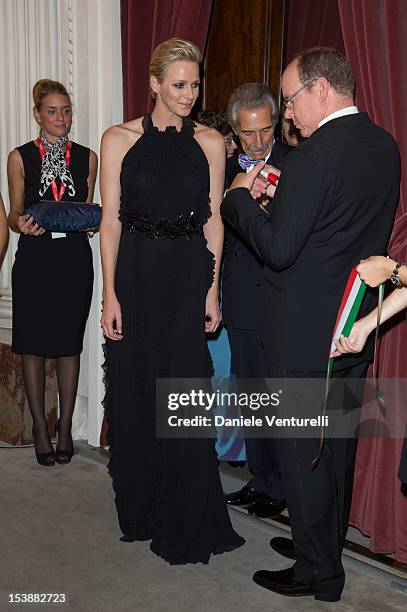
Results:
219 550
105 404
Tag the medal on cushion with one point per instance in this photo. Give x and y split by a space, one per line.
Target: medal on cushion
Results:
56 193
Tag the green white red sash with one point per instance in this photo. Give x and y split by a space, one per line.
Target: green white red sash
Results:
348 311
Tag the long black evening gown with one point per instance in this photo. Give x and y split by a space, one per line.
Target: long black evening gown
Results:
168 491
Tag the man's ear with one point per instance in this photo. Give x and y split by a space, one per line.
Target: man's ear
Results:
323 88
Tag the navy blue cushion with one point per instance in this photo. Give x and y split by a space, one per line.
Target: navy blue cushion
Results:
65 216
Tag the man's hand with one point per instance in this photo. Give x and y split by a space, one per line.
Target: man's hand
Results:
273 169
257 185
248 180
270 188
259 189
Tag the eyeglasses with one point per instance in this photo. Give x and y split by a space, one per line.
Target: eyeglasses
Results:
288 102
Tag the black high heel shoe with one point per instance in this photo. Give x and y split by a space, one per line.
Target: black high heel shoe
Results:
62 456
47 459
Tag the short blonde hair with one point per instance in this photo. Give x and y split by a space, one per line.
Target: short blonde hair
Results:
172 50
43 87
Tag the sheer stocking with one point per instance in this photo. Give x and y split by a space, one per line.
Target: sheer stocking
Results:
34 382
68 376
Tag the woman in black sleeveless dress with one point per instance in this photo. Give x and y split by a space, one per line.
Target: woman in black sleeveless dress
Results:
52 276
159 284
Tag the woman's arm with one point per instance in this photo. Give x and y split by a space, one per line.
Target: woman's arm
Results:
113 148
214 146
376 270
93 170
16 220
354 343
3 231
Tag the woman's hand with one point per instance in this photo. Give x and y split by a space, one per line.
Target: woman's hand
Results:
27 225
354 343
111 319
212 312
375 270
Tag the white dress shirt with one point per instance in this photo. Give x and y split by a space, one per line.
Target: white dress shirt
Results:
348 110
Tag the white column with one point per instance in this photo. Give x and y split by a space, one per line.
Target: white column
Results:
29 50
91 50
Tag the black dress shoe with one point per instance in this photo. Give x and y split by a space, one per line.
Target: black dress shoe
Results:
284 547
266 507
63 456
47 459
242 498
284 582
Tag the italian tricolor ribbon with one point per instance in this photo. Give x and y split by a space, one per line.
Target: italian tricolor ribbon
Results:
348 311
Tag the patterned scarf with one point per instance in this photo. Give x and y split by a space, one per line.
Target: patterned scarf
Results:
54 165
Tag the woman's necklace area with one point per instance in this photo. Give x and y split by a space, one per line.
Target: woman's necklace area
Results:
51 153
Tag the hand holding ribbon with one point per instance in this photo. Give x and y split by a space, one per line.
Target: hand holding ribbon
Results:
248 181
375 270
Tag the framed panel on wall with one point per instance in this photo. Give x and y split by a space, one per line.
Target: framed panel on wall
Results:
245 44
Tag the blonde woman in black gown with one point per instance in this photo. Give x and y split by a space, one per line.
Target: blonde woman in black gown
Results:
162 180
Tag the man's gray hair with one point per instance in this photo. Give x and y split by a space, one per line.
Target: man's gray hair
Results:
251 96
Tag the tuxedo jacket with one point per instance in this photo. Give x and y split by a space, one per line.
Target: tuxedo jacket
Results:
334 205
242 272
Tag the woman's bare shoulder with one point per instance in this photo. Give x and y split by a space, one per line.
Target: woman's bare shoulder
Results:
209 138
15 156
124 134
15 164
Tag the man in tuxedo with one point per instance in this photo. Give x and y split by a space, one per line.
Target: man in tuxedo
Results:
253 114
333 206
